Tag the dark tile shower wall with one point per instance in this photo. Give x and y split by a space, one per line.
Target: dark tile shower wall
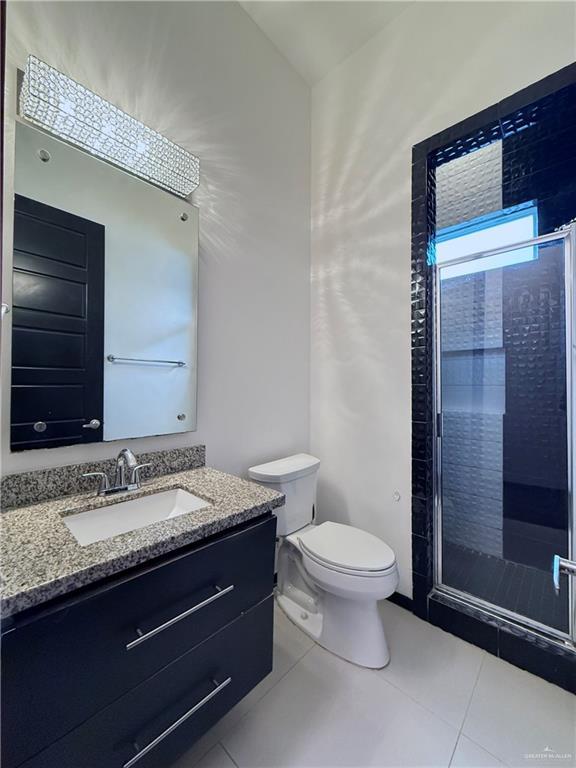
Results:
535 484
422 294
536 127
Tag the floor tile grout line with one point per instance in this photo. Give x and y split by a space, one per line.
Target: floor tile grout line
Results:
201 757
290 668
416 701
480 668
481 746
460 730
261 698
251 707
228 753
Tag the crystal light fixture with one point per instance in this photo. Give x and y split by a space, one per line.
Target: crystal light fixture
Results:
67 109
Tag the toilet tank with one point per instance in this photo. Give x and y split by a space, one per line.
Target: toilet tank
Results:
295 477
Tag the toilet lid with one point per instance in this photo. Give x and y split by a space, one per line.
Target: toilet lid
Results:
348 547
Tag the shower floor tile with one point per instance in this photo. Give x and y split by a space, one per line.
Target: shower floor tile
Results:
513 586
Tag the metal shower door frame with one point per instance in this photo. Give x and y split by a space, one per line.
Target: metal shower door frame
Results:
568 237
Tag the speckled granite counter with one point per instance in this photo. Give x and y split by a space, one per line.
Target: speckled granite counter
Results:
40 558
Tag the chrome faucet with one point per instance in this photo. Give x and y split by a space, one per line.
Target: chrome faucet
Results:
125 464
127 475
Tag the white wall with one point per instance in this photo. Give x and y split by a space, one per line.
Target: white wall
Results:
203 74
434 65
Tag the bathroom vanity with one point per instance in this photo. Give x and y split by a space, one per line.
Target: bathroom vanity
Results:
123 652
132 621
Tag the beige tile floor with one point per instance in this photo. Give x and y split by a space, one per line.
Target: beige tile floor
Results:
440 702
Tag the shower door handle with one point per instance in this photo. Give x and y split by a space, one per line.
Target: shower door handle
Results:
561 565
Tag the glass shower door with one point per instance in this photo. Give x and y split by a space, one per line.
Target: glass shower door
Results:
504 429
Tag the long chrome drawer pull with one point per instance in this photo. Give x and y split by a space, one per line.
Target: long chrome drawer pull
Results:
177 723
146 636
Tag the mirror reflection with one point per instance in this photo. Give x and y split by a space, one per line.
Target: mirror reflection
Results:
104 301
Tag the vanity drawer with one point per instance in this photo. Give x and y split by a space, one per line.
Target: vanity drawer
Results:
60 669
161 718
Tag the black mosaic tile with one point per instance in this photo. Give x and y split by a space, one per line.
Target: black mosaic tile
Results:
419 327
421 587
557 210
554 82
421 366
422 407
422 435
539 656
419 215
421 478
517 189
522 157
419 302
422 517
421 556
420 152
419 188
542 118
419 284
458 623
464 137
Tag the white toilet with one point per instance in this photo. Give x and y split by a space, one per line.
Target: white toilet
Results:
330 576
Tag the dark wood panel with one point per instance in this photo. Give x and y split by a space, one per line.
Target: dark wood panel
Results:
36 348
44 293
46 403
49 376
49 239
29 318
32 263
61 667
58 433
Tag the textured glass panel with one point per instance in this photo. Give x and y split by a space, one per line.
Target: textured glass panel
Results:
504 460
469 186
71 111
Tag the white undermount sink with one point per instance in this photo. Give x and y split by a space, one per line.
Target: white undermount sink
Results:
105 522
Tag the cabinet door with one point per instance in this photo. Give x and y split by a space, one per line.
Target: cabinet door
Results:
57 671
157 721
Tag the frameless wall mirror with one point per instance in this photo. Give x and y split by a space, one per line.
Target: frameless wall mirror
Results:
104 305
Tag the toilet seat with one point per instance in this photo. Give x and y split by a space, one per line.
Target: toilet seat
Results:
345 549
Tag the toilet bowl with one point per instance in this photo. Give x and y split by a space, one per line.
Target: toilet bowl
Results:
330 576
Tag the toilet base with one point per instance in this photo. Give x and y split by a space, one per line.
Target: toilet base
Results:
351 629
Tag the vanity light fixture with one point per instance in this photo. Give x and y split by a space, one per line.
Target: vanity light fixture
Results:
72 112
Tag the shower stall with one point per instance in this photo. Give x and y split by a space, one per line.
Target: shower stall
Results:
504 437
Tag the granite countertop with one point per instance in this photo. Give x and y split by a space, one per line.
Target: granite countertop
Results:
40 558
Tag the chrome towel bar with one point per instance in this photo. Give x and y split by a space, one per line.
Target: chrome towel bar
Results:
114 359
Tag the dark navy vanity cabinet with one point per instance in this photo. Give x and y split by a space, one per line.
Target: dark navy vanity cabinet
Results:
134 670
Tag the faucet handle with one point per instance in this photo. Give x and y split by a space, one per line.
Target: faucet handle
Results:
135 474
104 482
